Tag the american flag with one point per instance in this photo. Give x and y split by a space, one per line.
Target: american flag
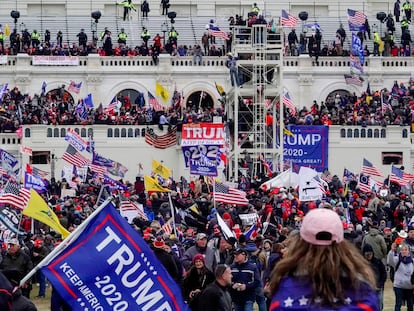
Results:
356 18
397 176
112 105
161 141
225 194
3 90
74 87
287 101
385 105
167 227
155 104
127 205
353 79
36 171
73 157
217 32
320 184
408 177
370 169
15 196
288 19
326 176
364 183
100 170
3 172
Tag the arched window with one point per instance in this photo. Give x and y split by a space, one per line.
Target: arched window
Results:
56 132
49 132
363 133
383 133
349 133
404 133
62 132
27 132
342 133
116 132
356 133
90 132
376 133
137 132
130 132
123 132
83 132
109 132
369 133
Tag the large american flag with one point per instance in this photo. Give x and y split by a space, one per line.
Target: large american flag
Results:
225 194
161 141
73 157
370 169
15 195
217 32
287 101
36 171
288 19
356 17
154 103
115 103
167 227
353 79
397 176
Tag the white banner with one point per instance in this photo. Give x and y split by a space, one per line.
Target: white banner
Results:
248 219
24 149
3 59
55 61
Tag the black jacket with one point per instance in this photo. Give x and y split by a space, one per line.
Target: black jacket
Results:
215 297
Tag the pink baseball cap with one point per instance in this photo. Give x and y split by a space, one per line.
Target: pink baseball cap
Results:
322 226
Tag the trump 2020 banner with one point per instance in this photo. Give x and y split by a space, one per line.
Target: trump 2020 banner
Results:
110 267
203 146
307 147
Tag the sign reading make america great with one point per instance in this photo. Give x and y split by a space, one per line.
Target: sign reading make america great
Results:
307 147
109 267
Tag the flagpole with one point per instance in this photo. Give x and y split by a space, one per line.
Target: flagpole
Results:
100 193
65 243
172 213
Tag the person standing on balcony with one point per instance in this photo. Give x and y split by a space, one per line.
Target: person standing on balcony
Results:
293 41
35 38
82 38
231 63
145 9
407 9
397 10
128 6
255 9
145 35
206 43
165 6
47 37
377 42
122 37
59 38
173 36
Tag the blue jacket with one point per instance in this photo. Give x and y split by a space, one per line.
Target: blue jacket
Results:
295 293
248 274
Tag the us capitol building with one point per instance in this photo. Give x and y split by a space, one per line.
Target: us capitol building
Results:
106 76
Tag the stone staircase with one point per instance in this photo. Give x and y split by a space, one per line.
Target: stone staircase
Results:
190 28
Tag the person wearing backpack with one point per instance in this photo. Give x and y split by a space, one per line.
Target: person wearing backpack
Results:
403 265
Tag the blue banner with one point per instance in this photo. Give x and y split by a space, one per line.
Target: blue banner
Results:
34 182
101 161
9 161
204 166
307 147
110 267
196 153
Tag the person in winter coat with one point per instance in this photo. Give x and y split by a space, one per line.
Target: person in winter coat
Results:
403 265
246 279
216 296
376 240
379 272
200 247
321 270
198 277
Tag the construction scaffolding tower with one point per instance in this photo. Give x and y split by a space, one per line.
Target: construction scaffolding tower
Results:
255 107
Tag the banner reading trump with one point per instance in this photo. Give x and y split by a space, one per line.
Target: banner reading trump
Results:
110 267
203 147
307 147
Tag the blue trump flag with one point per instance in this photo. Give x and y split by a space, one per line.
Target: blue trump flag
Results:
106 265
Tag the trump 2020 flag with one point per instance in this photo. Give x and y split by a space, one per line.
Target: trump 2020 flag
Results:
108 266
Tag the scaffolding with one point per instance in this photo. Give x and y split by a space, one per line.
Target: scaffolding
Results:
256 108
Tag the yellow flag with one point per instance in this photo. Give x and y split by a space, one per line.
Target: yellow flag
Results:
160 169
7 30
151 184
162 92
38 209
287 132
194 208
220 89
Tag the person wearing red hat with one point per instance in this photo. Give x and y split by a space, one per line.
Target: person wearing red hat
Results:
39 252
198 277
165 258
